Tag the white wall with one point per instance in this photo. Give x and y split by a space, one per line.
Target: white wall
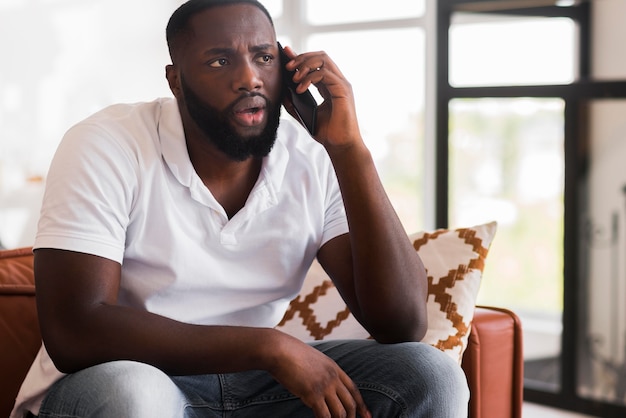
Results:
61 61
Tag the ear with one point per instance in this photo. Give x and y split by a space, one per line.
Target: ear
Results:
173 79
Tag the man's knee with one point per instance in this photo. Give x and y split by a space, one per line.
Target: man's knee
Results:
438 382
418 378
121 388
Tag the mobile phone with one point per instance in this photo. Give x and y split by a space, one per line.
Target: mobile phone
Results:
304 104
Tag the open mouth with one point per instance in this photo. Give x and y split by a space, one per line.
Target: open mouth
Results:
250 111
251 116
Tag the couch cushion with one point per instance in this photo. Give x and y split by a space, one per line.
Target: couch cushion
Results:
19 328
16 272
454 260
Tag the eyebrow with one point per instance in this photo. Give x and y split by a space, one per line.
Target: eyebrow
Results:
219 51
262 47
230 51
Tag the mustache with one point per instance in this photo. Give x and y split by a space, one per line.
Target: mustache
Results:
245 96
188 92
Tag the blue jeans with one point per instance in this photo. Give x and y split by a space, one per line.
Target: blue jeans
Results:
395 380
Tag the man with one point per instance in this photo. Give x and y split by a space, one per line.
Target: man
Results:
174 233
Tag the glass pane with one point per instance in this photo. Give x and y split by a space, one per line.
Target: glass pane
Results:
607 40
511 51
602 265
324 12
390 110
507 164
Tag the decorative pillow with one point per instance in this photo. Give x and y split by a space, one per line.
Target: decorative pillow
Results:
454 261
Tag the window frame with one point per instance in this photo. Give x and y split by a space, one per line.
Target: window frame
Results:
575 95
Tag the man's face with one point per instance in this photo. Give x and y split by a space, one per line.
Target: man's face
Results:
217 127
229 83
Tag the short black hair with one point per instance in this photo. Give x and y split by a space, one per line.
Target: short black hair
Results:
179 21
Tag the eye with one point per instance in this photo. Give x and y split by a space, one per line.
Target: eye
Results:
220 62
266 59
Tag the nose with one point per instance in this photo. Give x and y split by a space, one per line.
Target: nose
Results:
247 77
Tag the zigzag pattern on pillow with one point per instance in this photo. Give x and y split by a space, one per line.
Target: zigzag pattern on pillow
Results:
454 261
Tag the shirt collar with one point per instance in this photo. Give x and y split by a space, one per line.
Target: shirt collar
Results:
176 156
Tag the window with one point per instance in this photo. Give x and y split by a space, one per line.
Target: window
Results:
507 164
530 133
381 50
390 109
325 12
75 65
497 50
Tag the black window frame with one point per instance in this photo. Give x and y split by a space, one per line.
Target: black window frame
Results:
576 97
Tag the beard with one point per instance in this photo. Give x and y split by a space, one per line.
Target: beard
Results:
218 130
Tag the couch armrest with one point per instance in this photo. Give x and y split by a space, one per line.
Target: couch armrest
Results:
493 364
19 329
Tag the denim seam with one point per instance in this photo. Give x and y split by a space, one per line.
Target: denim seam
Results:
391 394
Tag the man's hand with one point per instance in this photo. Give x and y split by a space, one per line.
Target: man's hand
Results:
336 117
317 380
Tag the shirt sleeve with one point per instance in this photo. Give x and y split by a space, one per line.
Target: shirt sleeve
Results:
89 194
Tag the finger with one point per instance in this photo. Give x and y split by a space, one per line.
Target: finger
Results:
317 69
345 403
301 70
308 63
290 52
311 67
317 61
320 410
355 398
306 76
313 78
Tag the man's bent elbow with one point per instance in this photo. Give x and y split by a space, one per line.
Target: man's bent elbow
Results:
70 351
409 331
65 359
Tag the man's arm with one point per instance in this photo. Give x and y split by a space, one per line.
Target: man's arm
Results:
82 325
375 267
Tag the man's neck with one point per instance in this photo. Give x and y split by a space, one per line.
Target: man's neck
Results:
229 181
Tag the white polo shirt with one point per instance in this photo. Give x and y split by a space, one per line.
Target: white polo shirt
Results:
121 186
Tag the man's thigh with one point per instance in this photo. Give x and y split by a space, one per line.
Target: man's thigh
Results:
256 394
409 379
119 388
395 380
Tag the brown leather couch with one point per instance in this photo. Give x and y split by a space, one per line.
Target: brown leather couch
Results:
492 361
